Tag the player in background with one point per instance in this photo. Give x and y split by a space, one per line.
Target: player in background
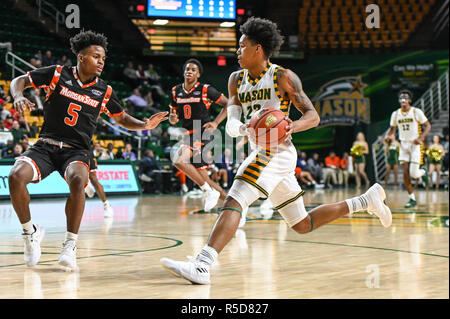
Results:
191 102
268 173
75 97
107 209
409 120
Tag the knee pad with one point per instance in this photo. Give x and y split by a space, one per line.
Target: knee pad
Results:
244 193
294 212
415 171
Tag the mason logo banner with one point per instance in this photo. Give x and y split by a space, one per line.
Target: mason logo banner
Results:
342 102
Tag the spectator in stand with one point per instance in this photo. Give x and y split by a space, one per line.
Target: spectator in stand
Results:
130 74
128 153
17 132
331 169
64 61
152 76
149 99
99 152
17 150
165 144
140 75
34 129
4 98
48 59
2 126
25 143
347 168
136 102
302 171
9 122
152 180
152 106
36 63
23 124
305 177
38 56
302 161
315 167
5 137
4 113
110 151
13 152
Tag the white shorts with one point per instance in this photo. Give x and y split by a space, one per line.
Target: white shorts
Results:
264 175
411 153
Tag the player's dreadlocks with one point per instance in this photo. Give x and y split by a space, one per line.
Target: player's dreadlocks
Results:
85 39
263 32
196 62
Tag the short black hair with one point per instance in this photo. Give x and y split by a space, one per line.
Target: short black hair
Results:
406 91
85 39
196 62
263 32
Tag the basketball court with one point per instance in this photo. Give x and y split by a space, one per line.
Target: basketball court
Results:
119 258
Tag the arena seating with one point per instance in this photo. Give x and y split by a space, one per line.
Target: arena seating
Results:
339 24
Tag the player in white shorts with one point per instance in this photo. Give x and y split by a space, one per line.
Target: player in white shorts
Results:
268 173
409 121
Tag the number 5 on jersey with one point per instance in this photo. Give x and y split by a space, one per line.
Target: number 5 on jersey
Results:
72 111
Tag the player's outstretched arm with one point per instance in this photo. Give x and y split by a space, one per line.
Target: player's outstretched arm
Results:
220 117
234 126
127 121
17 86
291 87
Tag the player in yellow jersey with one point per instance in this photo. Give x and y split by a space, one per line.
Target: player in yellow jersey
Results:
409 121
268 173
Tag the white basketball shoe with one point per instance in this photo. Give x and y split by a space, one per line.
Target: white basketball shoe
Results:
194 271
68 256
108 212
376 196
211 198
89 190
32 246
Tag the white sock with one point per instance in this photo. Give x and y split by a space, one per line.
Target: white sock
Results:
28 228
411 196
205 187
106 202
71 236
208 255
357 204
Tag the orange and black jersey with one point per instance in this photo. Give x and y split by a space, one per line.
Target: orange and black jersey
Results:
71 108
194 104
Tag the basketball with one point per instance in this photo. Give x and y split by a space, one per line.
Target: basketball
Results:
268 127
